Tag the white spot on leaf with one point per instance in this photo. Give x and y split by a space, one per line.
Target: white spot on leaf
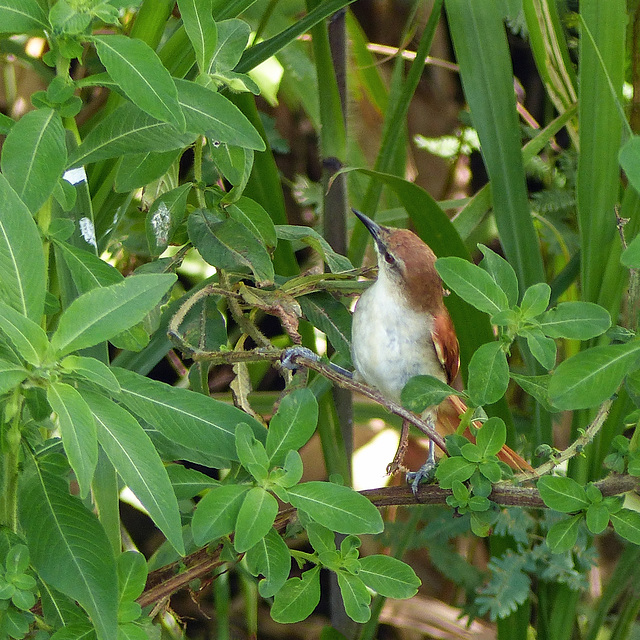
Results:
161 222
88 231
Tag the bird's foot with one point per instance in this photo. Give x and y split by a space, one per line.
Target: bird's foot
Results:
288 360
426 473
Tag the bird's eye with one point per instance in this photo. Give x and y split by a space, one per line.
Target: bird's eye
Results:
389 259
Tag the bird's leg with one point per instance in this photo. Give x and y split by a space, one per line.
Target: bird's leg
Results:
288 360
397 463
426 472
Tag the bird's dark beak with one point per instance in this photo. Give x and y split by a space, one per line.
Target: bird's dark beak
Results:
372 227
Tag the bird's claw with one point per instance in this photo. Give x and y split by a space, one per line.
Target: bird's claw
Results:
288 360
425 473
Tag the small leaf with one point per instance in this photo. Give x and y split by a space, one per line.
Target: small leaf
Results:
197 17
355 597
256 219
297 599
597 518
336 507
562 494
629 157
92 370
251 452
103 313
627 524
590 377
472 284
132 574
137 70
421 392
535 300
217 513
388 576
233 36
22 16
488 374
187 483
502 272
491 437
537 387
451 469
255 518
575 320
271 558
164 217
563 535
138 170
542 348
312 238
11 375
26 336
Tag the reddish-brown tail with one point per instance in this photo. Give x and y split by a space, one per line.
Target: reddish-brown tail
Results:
448 420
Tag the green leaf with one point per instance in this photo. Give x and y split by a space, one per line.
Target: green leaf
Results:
138 170
537 387
255 518
251 452
389 576
127 130
22 16
197 17
321 539
34 156
187 483
575 320
11 375
292 425
164 217
472 284
336 507
103 313
502 272
271 558
491 437
627 524
293 470
137 70
136 460
88 271
92 370
209 113
297 599
421 392
217 513
191 419
563 535
542 348
228 244
562 494
535 299
69 548
233 162
132 574
233 36
26 336
629 157
456 468
631 255
23 282
255 218
597 518
590 377
312 238
78 430
488 374
355 597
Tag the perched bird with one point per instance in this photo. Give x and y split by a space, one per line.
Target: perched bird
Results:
401 328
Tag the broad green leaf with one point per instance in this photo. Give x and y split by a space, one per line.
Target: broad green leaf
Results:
87 269
270 557
103 313
297 599
292 425
228 244
11 375
251 452
542 348
312 238
92 370
488 374
563 535
69 548
132 574
164 217
502 272
23 281
388 576
22 16
472 284
421 392
293 470
491 437
562 494
128 130
138 170
255 218
255 518
575 320
136 460
537 387
355 597
188 483
629 157
26 336
336 507
456 468
137 70
590 377
627 524
217 513
535 299
190 419
197 17
233 36
78 430
209 113
322 540
34 156
233 162
597 518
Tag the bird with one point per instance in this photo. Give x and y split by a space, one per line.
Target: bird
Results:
401 328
